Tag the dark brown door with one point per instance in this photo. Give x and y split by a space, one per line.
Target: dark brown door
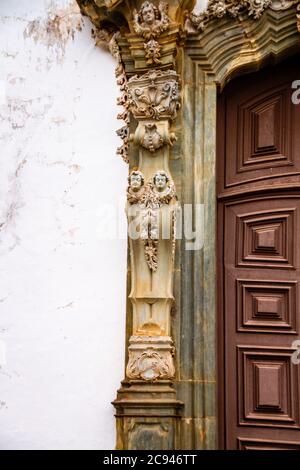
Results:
259 260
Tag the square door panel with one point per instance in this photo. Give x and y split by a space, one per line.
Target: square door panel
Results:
266 444
266 239
260 130
266 306
268 387
263 135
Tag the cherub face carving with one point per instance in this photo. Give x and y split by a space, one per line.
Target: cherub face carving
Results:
160 180
136 180
148 13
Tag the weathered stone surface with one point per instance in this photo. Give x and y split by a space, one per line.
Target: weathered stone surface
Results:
220 44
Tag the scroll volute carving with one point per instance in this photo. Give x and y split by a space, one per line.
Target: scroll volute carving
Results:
154 99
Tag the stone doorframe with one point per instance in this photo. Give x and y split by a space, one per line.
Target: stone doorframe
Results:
170 65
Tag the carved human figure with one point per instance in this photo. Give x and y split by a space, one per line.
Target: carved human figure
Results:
152 250
149 13
151 21
160 181
136 181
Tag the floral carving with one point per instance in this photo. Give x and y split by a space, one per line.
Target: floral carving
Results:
150 358
122 101
150 22
150 198
150 366
219 8
154 95
104 37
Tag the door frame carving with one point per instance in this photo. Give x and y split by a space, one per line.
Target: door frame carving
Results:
206 52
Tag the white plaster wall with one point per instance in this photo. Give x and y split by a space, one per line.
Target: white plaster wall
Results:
62 288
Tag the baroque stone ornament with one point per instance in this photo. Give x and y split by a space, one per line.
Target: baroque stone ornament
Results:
152 49
254 8
104 37
150 358
220 8
150 22
154 95
152 139
149 199
123 133
154 99
148 411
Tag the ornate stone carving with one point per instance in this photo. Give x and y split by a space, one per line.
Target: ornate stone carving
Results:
152 49
150 22
122 101
153 135
104 37
152 139
220 8
298 17
150 198
154 95
207 61
280 5
153 99
255 9
150 358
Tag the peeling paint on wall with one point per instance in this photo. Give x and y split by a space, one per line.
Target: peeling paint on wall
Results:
57 28
58 281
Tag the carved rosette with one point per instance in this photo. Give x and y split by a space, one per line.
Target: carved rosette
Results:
150 22
150 358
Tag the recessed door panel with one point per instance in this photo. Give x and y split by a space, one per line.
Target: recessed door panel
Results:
259 261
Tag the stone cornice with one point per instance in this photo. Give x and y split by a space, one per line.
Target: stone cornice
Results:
247 43
254 9
120 12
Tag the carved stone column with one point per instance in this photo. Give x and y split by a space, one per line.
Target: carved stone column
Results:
145 40
146 405
167 58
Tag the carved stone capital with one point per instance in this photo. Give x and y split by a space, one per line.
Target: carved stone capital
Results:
150 358
154 99
154 95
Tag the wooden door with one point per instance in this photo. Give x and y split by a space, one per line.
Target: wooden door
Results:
258 168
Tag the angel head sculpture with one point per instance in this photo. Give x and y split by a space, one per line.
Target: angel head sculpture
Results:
148 14
136 180
151 21
160 180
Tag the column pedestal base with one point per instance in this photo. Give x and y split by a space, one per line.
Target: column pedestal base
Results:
148 416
